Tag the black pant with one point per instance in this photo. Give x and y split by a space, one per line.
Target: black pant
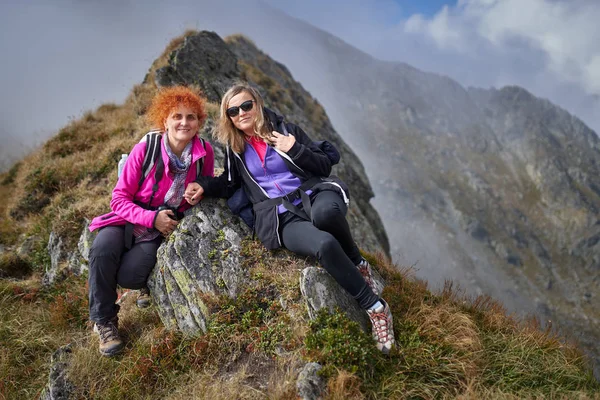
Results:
111 264
327 237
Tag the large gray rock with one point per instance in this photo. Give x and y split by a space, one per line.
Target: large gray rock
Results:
85 241
320 290
202 257
79 260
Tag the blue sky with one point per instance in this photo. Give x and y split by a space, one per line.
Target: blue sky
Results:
426 7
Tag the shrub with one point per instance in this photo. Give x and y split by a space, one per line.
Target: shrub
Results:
336 342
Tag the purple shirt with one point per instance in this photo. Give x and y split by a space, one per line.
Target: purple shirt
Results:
272 175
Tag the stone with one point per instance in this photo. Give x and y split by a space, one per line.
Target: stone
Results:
59 387
320 290
310 385
58 255
79 260
201 257
85 241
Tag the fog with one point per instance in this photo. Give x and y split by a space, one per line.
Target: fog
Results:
65 57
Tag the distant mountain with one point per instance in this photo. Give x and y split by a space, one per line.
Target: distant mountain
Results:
496 189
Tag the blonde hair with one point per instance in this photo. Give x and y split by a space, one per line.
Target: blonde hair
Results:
227 134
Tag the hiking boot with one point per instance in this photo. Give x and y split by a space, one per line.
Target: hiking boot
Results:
383 327
110 341
144 300
365 270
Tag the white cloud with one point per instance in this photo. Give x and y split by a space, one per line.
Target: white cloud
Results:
441 28
566 33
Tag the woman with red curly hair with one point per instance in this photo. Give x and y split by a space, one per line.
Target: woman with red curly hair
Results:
144 210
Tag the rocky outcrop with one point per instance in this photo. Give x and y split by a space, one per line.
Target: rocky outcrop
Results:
203 60
202 257
58 255
321 291
64 261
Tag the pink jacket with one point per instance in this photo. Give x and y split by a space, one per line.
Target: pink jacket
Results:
126 191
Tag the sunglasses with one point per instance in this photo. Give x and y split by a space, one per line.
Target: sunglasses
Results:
235 110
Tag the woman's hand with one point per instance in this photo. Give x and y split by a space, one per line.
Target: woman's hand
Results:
282 142
193 193
164 223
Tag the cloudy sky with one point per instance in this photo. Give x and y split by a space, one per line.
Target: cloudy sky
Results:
62 57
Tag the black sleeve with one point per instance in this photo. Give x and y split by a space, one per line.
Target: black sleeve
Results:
306 154
223 185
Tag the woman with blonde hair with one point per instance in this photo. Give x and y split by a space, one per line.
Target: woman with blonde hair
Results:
147 202
296 204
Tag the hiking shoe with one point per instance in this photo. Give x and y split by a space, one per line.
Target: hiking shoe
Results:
365 270
110 341
383 327
144 300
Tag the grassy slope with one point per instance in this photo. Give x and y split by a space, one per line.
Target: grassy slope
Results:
448 346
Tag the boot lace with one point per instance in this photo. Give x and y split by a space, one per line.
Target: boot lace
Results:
108 331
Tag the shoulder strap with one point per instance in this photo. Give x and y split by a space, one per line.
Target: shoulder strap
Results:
152 157
200 162
152 154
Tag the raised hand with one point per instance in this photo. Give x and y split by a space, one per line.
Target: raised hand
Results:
281 142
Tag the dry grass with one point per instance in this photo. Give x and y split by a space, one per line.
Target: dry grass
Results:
34 323
344 386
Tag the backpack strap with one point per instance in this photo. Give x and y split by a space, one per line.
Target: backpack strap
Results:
151 156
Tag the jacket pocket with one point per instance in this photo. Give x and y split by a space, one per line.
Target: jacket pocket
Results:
266 227
107 216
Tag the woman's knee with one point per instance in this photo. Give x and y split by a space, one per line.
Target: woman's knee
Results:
327 245
132 279
324 216
135 269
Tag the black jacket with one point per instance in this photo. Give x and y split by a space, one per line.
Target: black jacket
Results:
305 160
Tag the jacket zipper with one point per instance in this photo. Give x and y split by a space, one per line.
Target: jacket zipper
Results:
110 215
277 228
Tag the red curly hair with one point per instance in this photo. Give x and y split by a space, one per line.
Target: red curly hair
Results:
169 98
